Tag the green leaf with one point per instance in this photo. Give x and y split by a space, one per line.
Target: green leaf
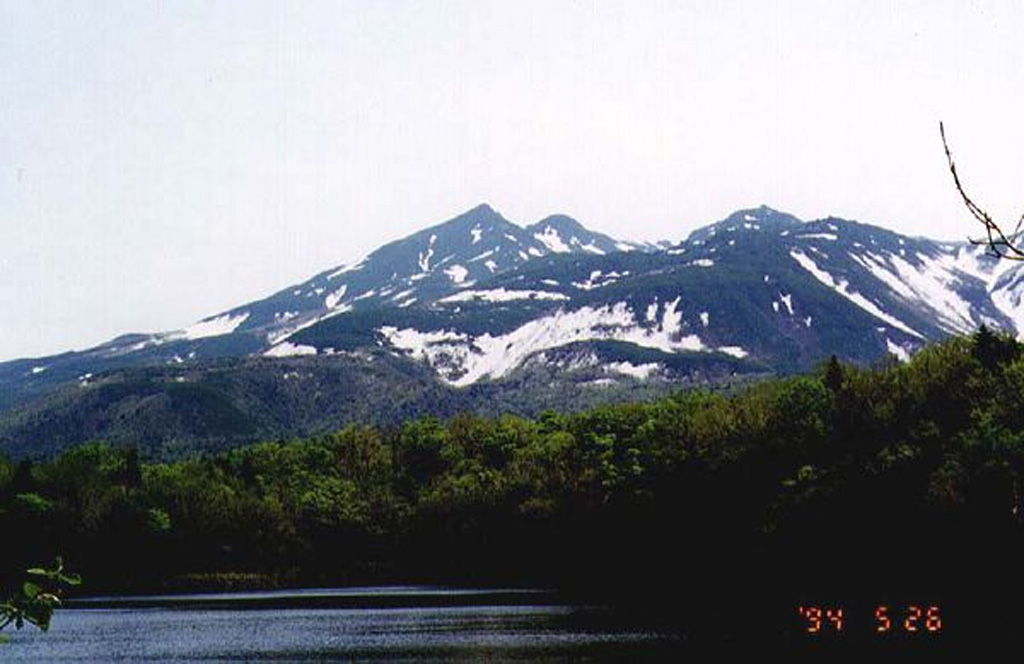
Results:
71 579
38 571
30 589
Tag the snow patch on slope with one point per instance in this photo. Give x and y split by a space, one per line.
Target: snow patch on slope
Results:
502 295
900 352
424 257
288 349
597 280
841 286
933 285
344 269
787 300
1008 297
457 273
212 327
552 240
638 371
463 360
334 298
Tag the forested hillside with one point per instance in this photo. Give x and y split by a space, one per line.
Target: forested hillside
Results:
898 480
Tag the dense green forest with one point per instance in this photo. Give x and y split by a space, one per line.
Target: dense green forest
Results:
900 480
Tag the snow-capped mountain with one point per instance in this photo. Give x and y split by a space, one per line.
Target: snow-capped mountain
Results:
424 267
481 304
760 285
431 264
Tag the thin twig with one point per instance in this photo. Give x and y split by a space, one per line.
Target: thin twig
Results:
998 243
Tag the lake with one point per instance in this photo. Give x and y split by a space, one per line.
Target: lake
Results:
356 624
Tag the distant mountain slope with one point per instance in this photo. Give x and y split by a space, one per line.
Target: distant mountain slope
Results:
173 411
479 313
427 265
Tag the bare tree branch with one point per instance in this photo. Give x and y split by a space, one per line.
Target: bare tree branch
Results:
998 242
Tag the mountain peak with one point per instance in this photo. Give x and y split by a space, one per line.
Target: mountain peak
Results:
747 219
482 213
482 208
562 222
764 214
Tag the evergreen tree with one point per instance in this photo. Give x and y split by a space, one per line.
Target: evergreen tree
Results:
834 375
993 349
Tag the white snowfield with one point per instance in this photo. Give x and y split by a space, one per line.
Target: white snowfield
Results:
288 349
552 240
787 300
638 371
334 298
461 359
501 295
211 327
457 273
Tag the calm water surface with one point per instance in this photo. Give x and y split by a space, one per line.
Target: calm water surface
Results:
393 624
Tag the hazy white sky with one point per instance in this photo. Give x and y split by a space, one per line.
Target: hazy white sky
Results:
163 161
